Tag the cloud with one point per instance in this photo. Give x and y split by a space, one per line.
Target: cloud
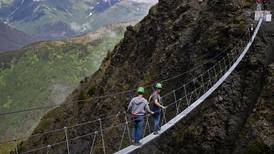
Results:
75 26
59 93
79 28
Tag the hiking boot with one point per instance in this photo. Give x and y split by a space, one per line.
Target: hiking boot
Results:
155 132
138 144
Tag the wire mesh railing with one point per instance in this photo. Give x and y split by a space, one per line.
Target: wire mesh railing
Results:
105 117
92 134
130 91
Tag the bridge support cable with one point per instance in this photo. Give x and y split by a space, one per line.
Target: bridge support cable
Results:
175 100
147 126
184 113
106 116
48 149
123 135
193 93
102 135
93 142
16 145
126 92
164 121
128 130
67 139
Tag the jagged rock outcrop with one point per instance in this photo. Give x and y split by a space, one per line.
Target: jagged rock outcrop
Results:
176 36
257 136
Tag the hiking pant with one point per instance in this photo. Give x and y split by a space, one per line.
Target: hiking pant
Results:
157 121
264 6
137 128
157 118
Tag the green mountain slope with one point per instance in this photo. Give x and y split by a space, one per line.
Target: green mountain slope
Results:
44 73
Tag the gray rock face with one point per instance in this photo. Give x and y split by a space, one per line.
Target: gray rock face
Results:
175 37
257 136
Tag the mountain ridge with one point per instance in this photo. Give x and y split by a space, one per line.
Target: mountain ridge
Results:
53 19
11 38
43 73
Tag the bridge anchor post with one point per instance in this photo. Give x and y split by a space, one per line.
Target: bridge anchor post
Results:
175 100
187 101
67 139
202 80
48 148
128 130
102 135
220 66
195 88
209 78
93 142
16 145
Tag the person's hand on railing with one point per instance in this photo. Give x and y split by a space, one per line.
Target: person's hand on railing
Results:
163 107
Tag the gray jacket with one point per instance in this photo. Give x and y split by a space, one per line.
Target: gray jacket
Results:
138 106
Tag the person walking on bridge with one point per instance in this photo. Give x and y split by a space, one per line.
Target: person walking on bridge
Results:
265 4
155 101
250 31
138 106
259 5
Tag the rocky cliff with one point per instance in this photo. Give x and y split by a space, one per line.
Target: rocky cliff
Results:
176 36
257 134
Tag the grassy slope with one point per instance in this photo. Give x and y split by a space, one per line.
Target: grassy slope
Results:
6 2
45 74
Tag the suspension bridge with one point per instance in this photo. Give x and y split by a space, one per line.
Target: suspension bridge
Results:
196 103
182 101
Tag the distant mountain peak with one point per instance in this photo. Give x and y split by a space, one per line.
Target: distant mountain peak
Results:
103 5
46 17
